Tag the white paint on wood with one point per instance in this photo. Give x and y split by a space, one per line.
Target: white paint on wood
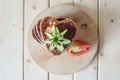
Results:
53 76
56 2
109 58
60 77
31 70
11 40
90 72
0 8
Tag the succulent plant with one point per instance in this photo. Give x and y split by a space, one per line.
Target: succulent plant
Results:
56 39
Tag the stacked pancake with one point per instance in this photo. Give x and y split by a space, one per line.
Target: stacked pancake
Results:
45 25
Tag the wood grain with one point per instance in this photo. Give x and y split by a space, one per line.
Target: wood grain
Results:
109 57
31 70
53 76
56 2
11 40
89 73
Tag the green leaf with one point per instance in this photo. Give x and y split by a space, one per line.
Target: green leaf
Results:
60 47
65 41
49 35
64 32
56 39
59 36
48 41
52 46
55 30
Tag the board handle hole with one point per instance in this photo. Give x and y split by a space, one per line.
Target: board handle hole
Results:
83 26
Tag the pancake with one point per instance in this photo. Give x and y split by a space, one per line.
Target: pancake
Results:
45 25
36 32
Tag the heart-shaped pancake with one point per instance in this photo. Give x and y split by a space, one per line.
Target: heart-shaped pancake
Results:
45 25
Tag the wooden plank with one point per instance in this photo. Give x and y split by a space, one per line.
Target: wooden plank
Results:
90 72
31 69
55 76
109 58
56 2
60 77
0 8
11 40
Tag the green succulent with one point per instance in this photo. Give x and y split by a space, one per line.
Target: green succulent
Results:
56 39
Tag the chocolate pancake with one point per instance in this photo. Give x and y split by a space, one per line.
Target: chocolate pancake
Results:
36 32
62 24
46 24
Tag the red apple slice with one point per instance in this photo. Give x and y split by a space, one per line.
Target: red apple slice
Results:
77 48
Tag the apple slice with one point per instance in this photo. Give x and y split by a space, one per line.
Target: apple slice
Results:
77 48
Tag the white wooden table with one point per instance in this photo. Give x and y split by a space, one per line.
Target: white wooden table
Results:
15 60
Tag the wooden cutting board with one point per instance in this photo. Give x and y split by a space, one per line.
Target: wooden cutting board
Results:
65 63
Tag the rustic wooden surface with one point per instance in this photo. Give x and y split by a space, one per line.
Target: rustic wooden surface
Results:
15 60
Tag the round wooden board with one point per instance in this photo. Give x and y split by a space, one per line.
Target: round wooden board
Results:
65 63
